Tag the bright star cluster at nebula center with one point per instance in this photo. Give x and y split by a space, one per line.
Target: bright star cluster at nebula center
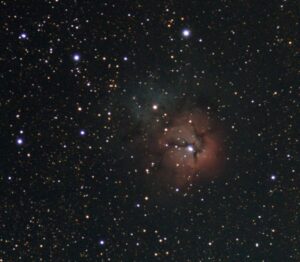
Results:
190 149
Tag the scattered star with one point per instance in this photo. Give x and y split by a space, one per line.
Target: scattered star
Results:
140 130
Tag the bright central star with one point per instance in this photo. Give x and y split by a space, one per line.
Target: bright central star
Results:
186 32
190 148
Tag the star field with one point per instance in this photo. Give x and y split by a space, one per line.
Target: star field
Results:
86 86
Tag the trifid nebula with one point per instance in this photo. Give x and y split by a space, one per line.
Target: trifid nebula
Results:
142 130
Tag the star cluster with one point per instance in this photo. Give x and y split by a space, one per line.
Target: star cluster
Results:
190 148
88 91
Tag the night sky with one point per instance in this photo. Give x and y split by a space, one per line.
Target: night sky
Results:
149 130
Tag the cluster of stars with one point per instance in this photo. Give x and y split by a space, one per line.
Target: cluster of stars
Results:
84 84
23 36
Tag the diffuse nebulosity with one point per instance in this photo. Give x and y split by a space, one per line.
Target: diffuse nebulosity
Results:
182 145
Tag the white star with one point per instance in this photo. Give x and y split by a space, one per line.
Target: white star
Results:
76 57
186 32
23 36
190 148
20 141
101 242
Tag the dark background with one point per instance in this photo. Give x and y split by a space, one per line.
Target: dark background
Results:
63 193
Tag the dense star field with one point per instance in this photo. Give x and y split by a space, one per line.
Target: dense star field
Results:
149 130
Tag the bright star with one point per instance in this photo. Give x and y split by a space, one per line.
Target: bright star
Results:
20 141
23 36
101 242
186 32
190 148
76 57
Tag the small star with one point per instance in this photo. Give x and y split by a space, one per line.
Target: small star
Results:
125 58
273 177
186 32
82 132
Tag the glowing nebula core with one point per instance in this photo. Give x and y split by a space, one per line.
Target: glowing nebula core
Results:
189 149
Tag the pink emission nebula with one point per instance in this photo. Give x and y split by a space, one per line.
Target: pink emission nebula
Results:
190 149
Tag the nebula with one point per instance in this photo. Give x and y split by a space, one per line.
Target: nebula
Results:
187 149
